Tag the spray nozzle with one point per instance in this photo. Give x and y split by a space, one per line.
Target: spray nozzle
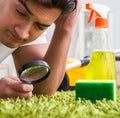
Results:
99 13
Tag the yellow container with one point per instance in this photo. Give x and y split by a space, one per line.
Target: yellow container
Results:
102 66
77 73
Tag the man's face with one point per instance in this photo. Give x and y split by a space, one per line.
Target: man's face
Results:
22 22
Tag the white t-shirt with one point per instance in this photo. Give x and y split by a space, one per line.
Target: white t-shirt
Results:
5 51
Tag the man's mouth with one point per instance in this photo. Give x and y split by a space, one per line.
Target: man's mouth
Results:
12 39
13 35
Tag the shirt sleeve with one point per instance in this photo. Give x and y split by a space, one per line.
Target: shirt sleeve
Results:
42 39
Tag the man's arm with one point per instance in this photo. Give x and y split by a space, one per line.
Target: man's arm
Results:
55 57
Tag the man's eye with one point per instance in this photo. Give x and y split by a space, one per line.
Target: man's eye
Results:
21 13
39 26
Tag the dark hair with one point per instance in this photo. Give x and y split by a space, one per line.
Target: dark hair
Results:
66 6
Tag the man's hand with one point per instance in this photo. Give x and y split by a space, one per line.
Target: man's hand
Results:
11 87
67 22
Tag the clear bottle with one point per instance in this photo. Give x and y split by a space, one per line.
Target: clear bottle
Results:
102 63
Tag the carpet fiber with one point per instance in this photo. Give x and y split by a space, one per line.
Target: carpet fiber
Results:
61 105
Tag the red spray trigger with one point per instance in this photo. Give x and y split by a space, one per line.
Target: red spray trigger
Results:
99 13
93 13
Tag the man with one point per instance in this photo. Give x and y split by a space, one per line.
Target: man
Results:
21 22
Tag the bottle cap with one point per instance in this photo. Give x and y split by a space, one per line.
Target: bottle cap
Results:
101 23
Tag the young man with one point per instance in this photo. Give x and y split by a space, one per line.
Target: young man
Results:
21 22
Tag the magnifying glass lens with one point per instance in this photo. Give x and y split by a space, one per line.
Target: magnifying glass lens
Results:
34 72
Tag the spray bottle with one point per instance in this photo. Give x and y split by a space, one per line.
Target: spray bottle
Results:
102 63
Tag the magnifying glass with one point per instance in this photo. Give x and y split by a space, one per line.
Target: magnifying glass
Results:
34 72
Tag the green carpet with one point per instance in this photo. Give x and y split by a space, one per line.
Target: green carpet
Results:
61 105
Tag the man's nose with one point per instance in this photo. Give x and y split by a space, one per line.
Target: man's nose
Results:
23 31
